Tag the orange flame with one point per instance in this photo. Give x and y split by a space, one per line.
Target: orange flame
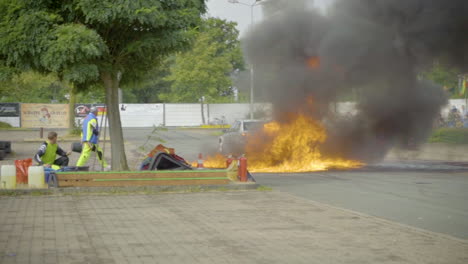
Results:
292 147
313 62
216 161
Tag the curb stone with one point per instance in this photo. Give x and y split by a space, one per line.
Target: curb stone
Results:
130 189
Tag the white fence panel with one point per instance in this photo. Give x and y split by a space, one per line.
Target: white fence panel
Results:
228 113
14 121
184 114
233 112
147 115
141 115
350 107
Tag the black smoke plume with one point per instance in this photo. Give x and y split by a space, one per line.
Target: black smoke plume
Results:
375 49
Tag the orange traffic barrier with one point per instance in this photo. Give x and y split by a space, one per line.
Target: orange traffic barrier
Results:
243 169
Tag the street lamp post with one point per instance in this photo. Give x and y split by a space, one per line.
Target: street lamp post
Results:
251 66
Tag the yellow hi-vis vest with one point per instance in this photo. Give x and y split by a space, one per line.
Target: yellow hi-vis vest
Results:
50 153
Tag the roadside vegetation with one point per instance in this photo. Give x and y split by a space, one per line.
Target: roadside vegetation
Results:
4 125
450 136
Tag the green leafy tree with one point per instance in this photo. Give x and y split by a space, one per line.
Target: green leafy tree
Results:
94 95
87 41
149 88
445 76
205 70
40 88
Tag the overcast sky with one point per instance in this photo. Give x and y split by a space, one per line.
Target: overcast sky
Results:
241 13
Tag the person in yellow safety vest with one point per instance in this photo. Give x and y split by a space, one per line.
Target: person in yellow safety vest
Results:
49 150
89 140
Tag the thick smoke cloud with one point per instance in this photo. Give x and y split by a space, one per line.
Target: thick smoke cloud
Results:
375 48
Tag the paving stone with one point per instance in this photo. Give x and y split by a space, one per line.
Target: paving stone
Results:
230 227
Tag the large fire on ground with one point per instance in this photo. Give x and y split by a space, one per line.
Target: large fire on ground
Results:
290 146
293 146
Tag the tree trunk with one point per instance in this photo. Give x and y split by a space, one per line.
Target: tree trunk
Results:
71 109
118 160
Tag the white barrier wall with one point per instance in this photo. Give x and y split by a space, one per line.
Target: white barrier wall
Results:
14 121
350 107
228 113
232 112
148 115
139 115
184 114
10 113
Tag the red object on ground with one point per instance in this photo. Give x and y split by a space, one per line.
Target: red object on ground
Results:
228 162
22 170
200 161
243 169
161 148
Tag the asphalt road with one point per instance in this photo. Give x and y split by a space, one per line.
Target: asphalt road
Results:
188 143
435 201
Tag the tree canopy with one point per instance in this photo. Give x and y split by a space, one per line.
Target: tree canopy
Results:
149 88
33 87
446 76
205 70
88 41
40 88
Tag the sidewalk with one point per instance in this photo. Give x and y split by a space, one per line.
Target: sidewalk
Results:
224 227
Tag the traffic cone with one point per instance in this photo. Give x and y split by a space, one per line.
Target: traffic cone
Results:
200 161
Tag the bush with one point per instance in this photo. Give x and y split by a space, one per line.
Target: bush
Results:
75 131
5 125
450 135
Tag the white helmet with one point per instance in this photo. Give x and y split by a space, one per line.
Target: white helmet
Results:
93 110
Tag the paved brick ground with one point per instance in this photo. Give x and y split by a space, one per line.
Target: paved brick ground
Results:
229 227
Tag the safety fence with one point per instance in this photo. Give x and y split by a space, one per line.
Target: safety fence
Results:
148 115
132 115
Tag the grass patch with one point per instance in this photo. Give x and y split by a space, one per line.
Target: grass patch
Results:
26 192
75 131
117 191
5 125
217 133
17 129
215 126
149 191
264 188
450 136
9 193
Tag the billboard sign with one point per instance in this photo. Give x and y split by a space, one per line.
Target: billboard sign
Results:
44 115
10 109
82 110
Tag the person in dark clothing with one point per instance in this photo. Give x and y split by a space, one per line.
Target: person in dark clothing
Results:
48 151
